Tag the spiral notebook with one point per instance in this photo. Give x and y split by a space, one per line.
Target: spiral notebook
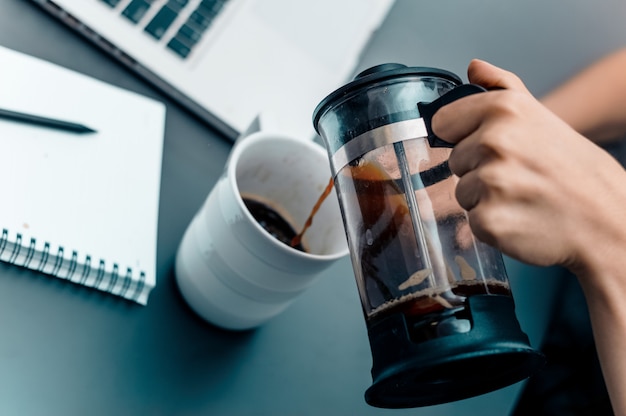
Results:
79 207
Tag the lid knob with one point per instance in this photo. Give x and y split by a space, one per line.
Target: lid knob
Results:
379 68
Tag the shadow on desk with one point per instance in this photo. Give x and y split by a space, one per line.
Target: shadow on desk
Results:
78 351
191 352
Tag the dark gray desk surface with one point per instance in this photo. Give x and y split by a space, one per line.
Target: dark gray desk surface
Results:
66 350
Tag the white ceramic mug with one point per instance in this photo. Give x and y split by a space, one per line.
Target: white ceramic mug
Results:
230 270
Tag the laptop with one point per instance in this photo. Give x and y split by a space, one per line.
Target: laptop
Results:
233 61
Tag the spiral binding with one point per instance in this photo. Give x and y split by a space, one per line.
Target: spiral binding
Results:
21 254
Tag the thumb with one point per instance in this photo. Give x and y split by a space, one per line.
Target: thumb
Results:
491 77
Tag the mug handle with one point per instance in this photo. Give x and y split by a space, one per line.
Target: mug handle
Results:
427 110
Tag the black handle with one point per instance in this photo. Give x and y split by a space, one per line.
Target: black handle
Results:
427 110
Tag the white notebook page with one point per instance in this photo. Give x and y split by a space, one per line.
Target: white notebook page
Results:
95 194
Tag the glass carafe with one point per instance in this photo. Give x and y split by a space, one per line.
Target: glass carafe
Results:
436 300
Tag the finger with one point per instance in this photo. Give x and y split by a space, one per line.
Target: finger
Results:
467 155
492 77
457 120
469 191
478 224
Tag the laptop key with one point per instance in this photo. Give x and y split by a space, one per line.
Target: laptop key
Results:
179 47
177 5
111 3
188 35
161 22
199 20
136 9
211 7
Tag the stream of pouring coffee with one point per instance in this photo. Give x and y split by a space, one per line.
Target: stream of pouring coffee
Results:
298 238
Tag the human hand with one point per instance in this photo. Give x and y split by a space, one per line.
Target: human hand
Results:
532 186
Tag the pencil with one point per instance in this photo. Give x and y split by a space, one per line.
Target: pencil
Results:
45 121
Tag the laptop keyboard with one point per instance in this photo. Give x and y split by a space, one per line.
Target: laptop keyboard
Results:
182 34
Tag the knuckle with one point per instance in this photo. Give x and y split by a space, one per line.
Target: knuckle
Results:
508 103
499 139
488 224
479 223
492 177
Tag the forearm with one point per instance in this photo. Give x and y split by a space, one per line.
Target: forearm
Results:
601 271
593 102
607 308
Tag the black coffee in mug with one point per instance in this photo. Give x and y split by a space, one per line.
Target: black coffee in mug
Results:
272 222
279 227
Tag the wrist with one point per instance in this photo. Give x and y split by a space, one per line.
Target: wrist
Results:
601 263
602 276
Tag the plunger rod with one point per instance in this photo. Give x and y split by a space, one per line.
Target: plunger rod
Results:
411 200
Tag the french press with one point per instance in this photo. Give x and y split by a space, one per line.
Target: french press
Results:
438 307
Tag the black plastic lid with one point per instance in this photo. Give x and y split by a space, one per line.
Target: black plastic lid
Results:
380 73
